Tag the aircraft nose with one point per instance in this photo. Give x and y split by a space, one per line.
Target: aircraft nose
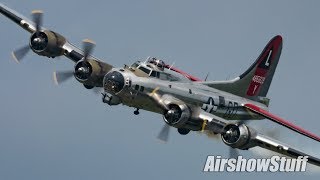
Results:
113 82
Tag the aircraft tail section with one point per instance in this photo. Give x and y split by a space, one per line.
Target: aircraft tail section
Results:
254 83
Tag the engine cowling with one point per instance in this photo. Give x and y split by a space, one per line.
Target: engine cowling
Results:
47 43
178 113
236 136
91 72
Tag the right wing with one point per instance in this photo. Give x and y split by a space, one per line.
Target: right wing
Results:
281 121
69 50
238 136
248 137
273 145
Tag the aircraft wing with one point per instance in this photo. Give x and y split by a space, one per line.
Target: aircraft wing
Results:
242 136
70 51
252 138
273 145
281 121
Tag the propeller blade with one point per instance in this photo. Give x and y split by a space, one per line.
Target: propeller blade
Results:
60 77
20 53
233 153
157 98
88 46
37 19
164 133
97 90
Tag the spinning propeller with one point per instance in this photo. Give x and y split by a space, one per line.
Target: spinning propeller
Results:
20 53
62 76
274 133
165 130
233 152
164 133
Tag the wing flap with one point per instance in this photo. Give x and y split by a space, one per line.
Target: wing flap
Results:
281 121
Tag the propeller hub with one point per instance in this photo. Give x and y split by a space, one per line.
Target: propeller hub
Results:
236 136
232 134
83 70
39 41
173 115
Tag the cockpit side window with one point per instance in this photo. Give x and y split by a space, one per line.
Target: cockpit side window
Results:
147 71
155 74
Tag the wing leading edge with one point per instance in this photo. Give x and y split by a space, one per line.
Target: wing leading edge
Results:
281 121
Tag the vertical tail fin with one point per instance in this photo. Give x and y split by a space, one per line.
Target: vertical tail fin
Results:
254 83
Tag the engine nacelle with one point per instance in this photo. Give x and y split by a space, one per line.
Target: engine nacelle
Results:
178 113
236 136
91 72
47 43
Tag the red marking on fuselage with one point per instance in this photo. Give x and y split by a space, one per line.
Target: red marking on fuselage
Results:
192 78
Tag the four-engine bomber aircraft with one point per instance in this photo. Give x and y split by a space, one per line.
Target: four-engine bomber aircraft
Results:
186 102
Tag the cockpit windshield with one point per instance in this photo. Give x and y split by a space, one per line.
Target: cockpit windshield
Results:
146 70
153 68
135 65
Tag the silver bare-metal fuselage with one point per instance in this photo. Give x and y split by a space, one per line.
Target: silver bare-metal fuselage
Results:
136 91
155 86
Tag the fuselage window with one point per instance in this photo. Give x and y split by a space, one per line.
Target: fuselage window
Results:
163 76
173 78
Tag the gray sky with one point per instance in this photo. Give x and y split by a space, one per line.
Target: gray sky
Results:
53 132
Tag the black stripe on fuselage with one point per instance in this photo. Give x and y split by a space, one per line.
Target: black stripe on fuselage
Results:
10 15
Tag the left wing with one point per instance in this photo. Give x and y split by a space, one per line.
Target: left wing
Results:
281 121
70 51
89 70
